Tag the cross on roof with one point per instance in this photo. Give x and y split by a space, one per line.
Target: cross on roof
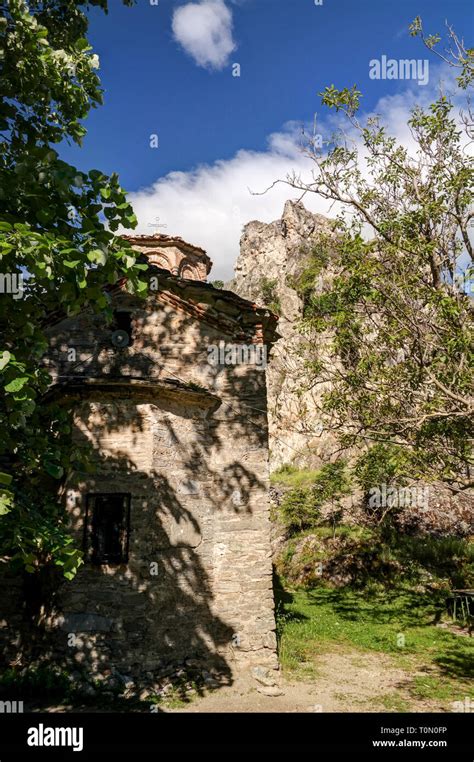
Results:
157 224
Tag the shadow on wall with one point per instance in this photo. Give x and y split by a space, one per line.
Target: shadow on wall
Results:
159 609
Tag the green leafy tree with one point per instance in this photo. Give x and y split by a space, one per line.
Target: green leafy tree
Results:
58 248
457 56
392 329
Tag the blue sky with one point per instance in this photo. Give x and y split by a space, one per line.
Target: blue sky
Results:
162 76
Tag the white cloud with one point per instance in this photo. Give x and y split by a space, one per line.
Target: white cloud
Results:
210 204
204 30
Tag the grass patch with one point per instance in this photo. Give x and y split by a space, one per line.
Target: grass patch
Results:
432 687
371 620
391 702
172 700
181 693
45 682
290 476
401 623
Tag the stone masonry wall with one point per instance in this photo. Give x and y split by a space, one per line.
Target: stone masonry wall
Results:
193 454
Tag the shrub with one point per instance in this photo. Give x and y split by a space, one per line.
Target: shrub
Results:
300 509
381 464
40 682
301 506
269 294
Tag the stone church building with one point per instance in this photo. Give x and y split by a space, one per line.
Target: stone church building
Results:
174 517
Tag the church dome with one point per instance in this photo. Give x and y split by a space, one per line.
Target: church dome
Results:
174 254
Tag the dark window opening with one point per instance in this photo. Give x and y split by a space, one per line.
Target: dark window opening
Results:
108 528
123 322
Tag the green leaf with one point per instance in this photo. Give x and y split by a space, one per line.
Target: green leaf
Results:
82 44
88 225
98 256
4 359
6 500
54 470
96 175
17 384
28 329
142 287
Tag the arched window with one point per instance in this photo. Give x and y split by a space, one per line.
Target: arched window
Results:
187 271
160 261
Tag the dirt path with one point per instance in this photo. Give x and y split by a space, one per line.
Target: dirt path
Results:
345 682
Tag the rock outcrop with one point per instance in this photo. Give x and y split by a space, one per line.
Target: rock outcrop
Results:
271 256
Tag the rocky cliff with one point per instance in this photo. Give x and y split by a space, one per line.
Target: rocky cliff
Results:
271 256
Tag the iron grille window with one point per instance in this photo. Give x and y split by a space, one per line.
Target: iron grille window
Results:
108 527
